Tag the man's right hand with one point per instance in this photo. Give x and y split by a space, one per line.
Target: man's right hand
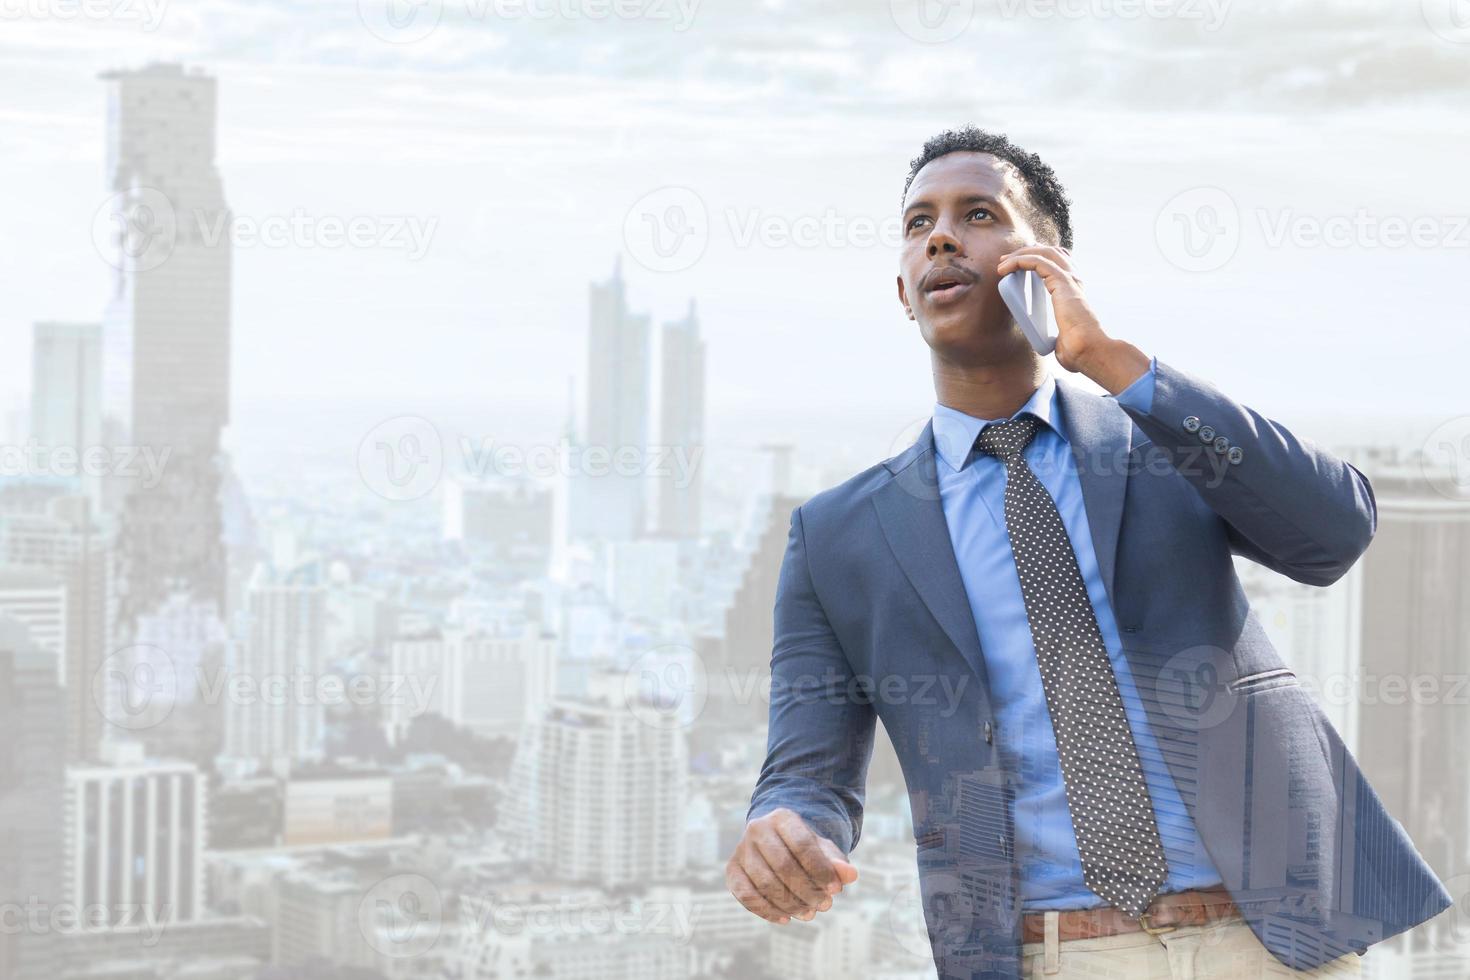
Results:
781 868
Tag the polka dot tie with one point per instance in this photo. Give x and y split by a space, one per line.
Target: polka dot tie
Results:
1112 814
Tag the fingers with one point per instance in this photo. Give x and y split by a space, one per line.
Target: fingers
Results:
1060 281
815 860
748 895
787 867
1047 258
782 869
772 885
1061 256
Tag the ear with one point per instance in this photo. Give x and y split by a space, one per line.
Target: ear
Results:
903 298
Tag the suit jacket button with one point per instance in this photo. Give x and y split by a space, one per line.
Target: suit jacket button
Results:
1221 444
1191 424
1236 454
1206 433
989 733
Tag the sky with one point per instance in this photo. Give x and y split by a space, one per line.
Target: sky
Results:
1267 195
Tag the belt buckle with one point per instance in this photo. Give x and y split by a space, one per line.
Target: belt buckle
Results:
1143 922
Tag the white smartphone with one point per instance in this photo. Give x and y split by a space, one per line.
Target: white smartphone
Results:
1025 296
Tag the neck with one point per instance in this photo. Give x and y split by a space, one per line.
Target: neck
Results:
987 391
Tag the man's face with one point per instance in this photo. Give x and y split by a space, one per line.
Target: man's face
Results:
963 212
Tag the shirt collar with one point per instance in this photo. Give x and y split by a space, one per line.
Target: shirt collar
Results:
955 432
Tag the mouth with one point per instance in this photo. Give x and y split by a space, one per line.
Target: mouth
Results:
947 287
948 284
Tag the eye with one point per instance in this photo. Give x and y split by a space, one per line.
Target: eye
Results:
984 211
914 221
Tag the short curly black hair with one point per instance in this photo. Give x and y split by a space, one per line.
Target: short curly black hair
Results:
1050 209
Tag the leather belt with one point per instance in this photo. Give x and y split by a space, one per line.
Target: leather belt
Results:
1187 908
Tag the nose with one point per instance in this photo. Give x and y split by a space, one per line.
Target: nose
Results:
941 240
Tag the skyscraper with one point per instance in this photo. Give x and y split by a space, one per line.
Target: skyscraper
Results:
166 333
1415 624
287 639
30 794
35 597
66 391
134 834
56 531
602 791
681 426
608 499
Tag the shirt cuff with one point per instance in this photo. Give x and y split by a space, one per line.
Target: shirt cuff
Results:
1140 394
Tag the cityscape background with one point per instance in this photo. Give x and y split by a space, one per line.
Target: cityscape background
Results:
405 404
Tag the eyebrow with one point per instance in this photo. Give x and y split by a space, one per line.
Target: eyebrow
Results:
967 199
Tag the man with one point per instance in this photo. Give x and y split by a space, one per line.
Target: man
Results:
1131 781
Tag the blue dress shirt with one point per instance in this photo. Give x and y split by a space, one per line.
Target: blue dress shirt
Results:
972 491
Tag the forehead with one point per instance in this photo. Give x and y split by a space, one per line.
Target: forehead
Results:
966 172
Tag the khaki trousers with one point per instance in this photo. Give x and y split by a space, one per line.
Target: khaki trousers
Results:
1225 948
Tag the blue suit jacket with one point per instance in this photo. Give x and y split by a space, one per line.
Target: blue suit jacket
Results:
871 613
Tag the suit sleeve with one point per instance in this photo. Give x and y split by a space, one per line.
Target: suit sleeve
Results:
1287 504
1140 394
820 739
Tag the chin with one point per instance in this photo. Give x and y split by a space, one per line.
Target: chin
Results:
966 337
955 327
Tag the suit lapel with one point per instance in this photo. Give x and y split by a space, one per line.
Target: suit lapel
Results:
1101 437
912 516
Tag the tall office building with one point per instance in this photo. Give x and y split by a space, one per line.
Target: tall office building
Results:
166 333
511 519
681 426
1415 625
56 532
491 683
183 646
66 392
134 836
35 597
602 791
749 627
30 795
286 639
608 493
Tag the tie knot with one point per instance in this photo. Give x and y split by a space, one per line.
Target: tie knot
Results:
1005 440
